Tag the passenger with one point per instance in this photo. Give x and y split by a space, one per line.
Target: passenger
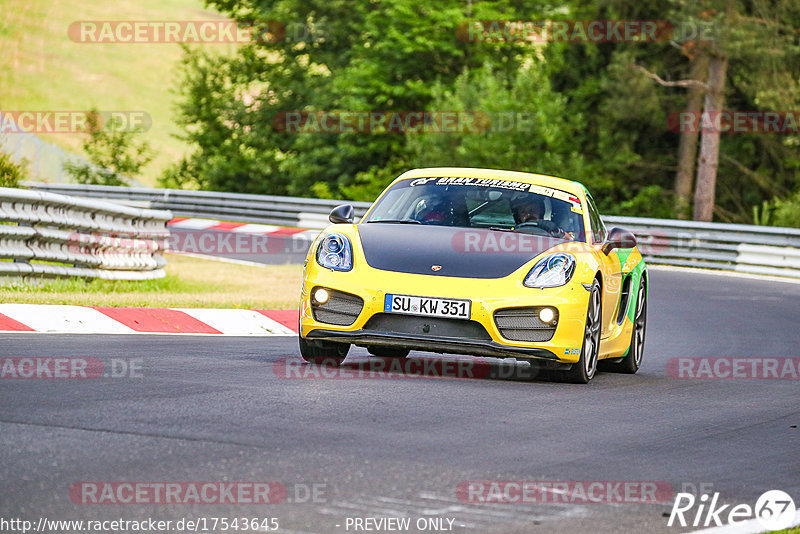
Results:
561 216
435 211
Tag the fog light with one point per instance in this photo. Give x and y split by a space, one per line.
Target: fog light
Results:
321 295
547 315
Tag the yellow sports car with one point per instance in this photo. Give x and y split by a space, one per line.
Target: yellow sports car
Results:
479 262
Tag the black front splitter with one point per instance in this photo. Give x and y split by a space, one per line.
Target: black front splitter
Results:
442 345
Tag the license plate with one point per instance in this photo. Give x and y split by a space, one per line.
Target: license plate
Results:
427 306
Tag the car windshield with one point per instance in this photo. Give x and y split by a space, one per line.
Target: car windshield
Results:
481 203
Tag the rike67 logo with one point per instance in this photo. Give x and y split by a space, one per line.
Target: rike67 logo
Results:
774 510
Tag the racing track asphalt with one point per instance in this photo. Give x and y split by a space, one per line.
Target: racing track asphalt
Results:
211 409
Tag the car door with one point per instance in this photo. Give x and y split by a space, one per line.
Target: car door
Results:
610 266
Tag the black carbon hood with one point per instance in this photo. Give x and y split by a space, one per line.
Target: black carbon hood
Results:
460 252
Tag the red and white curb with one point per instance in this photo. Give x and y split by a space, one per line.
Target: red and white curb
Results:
57 319
180 223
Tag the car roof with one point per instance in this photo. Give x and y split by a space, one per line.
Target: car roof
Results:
568 186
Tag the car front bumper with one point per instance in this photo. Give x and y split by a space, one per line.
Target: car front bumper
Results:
421 333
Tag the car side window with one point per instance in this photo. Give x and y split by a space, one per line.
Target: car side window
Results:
598 227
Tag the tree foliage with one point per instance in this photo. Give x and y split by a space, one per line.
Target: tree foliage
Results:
114 155
594 118
11 172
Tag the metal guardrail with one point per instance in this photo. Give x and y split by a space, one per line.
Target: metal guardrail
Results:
733 247
54 235
767 250
240 207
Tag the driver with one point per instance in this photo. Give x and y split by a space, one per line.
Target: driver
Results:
528 210
531 211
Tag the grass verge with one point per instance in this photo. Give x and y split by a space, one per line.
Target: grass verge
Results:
45 70
190 283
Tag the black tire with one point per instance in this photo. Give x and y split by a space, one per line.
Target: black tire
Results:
585 368
388 352
323 352
633 360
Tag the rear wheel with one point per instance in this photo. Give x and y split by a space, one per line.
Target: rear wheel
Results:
323 352
584 369
633 360
388 352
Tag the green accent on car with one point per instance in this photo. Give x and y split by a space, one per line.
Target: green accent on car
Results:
636 275
582 186
623 254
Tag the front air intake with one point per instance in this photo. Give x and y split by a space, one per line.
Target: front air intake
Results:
341 308
523 324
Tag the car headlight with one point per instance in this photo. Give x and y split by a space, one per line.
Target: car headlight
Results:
551 271
335 252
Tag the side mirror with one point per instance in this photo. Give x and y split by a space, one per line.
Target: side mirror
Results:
618 238
341 214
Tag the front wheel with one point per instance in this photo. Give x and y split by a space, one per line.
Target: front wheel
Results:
323 352
584 369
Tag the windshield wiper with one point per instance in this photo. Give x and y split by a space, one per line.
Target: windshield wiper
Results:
395 221
498 229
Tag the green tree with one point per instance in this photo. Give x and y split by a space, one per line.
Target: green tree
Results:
597 119
336 55
114 155
526 125
779 212
11 172
743 54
